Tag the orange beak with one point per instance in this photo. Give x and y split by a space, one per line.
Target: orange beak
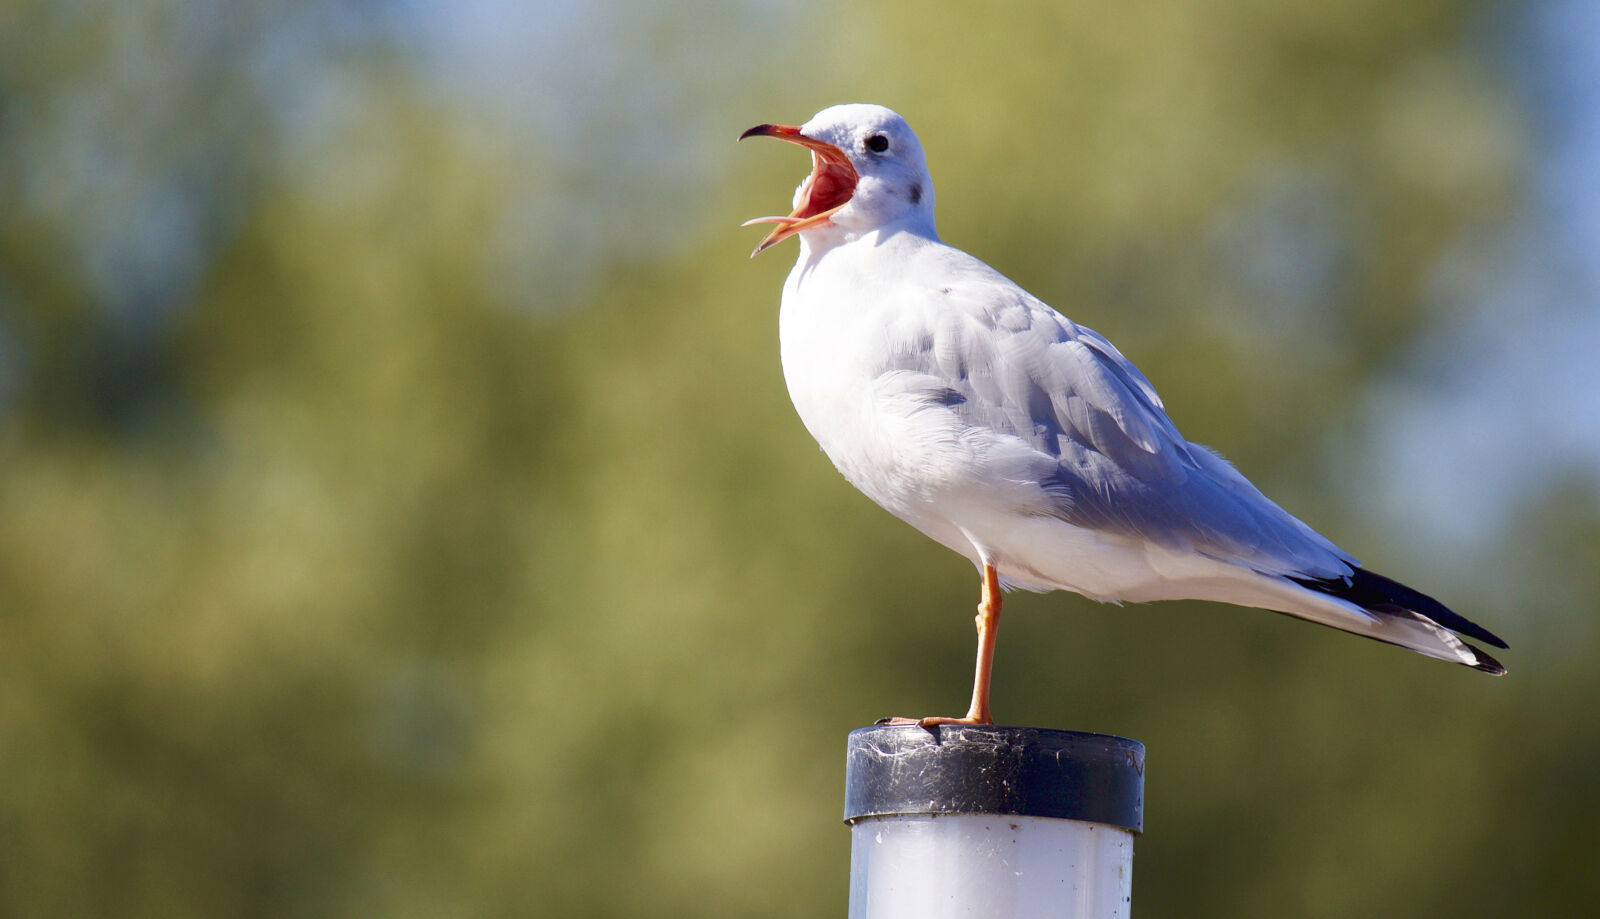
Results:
828 188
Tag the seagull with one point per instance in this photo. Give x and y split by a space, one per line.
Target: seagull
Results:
973 411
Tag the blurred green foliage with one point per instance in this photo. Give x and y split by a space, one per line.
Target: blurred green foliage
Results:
345 571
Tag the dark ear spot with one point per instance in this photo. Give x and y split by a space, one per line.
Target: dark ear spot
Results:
916 192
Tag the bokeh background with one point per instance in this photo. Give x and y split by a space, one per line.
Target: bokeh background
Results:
401 513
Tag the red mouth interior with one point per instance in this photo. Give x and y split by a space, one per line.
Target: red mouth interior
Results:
830 185
828 188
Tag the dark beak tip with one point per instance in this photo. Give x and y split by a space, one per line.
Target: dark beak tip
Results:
759 129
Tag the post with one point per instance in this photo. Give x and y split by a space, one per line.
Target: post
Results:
990 821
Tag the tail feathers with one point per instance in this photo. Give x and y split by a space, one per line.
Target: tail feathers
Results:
1411 611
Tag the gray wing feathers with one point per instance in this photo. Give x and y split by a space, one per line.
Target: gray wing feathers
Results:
1021 369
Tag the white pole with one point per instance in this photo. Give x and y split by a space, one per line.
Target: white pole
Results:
992 822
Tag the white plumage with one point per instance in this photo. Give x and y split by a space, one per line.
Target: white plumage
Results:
971 410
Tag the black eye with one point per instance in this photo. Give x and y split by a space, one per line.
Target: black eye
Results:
877 143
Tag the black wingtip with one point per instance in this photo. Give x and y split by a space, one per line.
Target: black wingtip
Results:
1487 664
1373 591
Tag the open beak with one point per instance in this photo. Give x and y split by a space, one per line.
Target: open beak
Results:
828 188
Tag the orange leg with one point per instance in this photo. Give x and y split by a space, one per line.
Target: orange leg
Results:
988 620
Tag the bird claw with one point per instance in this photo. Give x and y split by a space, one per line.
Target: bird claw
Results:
932 721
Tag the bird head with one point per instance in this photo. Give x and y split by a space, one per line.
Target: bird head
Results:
867 171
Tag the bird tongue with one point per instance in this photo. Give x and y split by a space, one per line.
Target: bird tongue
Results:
829 186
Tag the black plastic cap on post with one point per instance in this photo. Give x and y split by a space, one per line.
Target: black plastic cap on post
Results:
900 770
